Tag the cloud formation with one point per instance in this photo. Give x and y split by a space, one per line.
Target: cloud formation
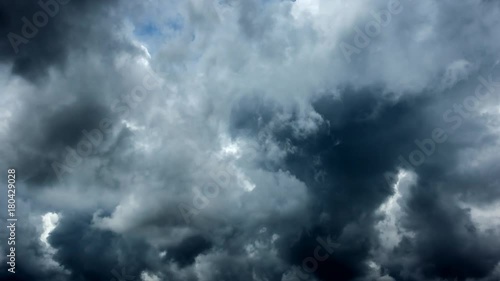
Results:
241 140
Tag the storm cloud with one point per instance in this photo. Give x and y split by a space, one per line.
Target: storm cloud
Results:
252 140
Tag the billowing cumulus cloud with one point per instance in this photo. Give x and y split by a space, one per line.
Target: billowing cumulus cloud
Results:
252 140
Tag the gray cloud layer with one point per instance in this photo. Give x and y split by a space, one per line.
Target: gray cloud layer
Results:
237 140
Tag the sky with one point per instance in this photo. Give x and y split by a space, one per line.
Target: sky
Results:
251 140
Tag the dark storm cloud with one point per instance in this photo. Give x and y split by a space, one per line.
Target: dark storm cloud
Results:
93 254
326 140
361 143
188 249
58 131
37 35
53 123
35 264
447 244
61 137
